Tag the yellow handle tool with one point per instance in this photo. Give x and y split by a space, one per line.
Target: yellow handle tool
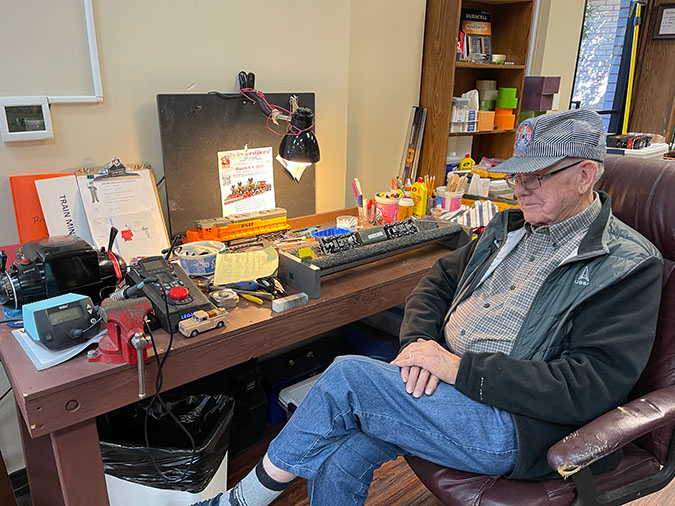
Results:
252 298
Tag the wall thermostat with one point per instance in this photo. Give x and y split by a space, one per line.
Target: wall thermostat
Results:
25 119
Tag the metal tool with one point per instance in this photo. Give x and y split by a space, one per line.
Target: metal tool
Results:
140 343
126 341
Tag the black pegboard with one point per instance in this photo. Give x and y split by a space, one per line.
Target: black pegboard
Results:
195 127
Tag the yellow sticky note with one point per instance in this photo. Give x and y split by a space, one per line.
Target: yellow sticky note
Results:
245 265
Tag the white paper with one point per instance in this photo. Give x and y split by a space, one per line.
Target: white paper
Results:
62 207
128 203
294 169
479 186
42 357
246 180
667 22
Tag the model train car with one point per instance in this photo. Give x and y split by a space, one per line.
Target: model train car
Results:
236 226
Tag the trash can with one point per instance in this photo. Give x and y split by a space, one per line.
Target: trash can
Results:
133 468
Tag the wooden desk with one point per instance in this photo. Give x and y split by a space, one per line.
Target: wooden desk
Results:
59 405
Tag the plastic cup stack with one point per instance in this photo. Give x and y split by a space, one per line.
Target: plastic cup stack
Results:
507 101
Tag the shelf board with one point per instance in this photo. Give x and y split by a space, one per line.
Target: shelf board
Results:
467 65
484 132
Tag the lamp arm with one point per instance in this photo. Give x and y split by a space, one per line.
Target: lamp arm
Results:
264 107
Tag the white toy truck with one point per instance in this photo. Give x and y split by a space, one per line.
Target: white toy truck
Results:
201 321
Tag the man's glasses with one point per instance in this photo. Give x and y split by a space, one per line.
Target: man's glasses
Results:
533 181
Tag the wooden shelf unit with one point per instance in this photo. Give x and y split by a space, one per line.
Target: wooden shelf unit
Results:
444 78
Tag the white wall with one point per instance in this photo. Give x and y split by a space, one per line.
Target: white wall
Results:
160 46
385 60
556 45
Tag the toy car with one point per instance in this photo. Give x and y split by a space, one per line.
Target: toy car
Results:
201 321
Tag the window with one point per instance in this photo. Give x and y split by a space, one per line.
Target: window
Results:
603 60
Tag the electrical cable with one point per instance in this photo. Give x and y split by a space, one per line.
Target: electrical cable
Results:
77 333
258 97
5 394
157 397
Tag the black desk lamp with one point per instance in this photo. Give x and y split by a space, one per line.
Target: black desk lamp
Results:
298 145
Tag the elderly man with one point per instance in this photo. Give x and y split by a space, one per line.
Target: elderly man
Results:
508 344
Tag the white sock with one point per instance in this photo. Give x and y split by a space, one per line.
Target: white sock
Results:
257 489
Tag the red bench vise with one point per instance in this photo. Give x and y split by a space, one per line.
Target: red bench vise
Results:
125 341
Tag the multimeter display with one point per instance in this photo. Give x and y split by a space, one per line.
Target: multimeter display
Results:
153 265
65 315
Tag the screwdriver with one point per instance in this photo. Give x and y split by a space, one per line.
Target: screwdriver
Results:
252 298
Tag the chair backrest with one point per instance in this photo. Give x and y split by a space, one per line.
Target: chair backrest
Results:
643 196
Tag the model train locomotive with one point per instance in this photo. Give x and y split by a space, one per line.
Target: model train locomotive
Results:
237 226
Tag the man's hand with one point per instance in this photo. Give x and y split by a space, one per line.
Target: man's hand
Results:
423 364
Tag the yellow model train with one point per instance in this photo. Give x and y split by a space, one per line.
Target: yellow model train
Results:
237 226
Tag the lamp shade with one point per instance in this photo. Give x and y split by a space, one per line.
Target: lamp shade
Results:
302 148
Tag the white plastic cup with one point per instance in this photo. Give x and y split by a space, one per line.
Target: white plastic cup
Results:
453 200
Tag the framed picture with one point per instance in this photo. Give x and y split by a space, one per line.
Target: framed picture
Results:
665 21
25 119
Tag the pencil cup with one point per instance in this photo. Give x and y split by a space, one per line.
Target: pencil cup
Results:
362 219
453 200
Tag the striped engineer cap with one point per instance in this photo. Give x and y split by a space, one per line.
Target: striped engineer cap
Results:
547 139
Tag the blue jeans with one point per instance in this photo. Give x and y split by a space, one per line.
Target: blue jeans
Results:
358 416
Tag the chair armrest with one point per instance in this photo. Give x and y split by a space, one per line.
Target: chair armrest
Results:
612 431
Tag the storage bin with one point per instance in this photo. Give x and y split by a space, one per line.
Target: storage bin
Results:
291 397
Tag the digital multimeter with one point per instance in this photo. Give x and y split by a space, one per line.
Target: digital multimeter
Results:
61 322
183 297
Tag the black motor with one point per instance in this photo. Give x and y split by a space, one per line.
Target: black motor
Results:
57 265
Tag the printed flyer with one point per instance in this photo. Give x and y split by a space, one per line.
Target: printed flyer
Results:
246 180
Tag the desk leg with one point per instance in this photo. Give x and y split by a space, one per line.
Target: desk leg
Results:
65 468
6 492
43 480
77 453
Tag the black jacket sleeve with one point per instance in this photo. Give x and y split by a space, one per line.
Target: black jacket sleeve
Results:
609 345
428 303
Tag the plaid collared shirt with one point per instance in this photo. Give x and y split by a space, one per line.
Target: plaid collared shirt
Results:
490 319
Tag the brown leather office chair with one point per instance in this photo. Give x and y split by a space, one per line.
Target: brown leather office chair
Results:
643 196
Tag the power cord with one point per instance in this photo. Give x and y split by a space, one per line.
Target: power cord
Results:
157 397
78 333
5 394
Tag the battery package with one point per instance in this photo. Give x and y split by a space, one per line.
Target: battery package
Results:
477 36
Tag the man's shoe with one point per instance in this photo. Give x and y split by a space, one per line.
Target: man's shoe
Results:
214 501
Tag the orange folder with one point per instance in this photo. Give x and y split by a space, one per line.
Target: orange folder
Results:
30 221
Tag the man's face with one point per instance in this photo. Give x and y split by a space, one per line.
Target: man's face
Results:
560 196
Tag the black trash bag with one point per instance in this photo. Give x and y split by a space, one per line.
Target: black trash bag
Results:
208 419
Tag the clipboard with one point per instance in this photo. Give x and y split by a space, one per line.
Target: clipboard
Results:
123 196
